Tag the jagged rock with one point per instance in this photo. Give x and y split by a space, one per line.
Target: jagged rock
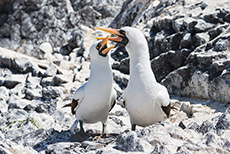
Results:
110 11
51 92
5 72
120 79
187 108
213 17
3 106
223 121
221 45
159 149
194 126
46 81
16 102
123 66
128 141
60 148
11 81
46 51
32 88
18 90
51 70
27 27
32 81
76 39
163 24
4 93
32 94
119 54
128 13
47 107
174 59
23 65
45 22
60 79
213 33
178 24
202 26
48 138
199 39
89 16
6 149
206 127
175 41
186 41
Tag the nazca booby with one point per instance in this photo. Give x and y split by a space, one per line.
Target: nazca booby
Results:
94 99
146 100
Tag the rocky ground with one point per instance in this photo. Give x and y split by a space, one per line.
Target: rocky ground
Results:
44 58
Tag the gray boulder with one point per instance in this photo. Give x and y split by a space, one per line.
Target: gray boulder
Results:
128 141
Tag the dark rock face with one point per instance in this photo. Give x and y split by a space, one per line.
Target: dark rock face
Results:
28 24
194 38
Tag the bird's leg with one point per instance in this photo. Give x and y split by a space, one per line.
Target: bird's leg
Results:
81 126
81 135
74 126
133 127
104 129
97 138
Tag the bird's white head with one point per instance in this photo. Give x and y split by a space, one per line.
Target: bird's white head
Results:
99 49
134 35
132 38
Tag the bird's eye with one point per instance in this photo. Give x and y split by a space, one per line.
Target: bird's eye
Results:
97 47
122 32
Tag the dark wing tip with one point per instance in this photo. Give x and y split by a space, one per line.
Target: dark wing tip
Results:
74 104
113 104
67 105
124 103
166 109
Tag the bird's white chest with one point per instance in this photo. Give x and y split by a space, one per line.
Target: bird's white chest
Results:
96 102
140 96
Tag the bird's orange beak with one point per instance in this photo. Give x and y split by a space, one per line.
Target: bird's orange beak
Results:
114 39
111 31
121 39
103 43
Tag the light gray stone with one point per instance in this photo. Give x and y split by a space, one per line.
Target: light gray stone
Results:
128 141
12 81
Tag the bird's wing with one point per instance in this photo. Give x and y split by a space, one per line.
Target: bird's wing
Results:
78 97
164 100
113 99
76 101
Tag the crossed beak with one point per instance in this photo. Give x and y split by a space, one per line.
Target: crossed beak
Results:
104 44
111 31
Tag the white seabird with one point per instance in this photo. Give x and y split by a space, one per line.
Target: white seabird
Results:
146 100
93 100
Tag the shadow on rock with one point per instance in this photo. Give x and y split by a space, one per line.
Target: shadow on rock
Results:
41 138
51 137
93 136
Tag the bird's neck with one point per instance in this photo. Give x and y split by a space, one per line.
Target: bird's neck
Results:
100 66
140 63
